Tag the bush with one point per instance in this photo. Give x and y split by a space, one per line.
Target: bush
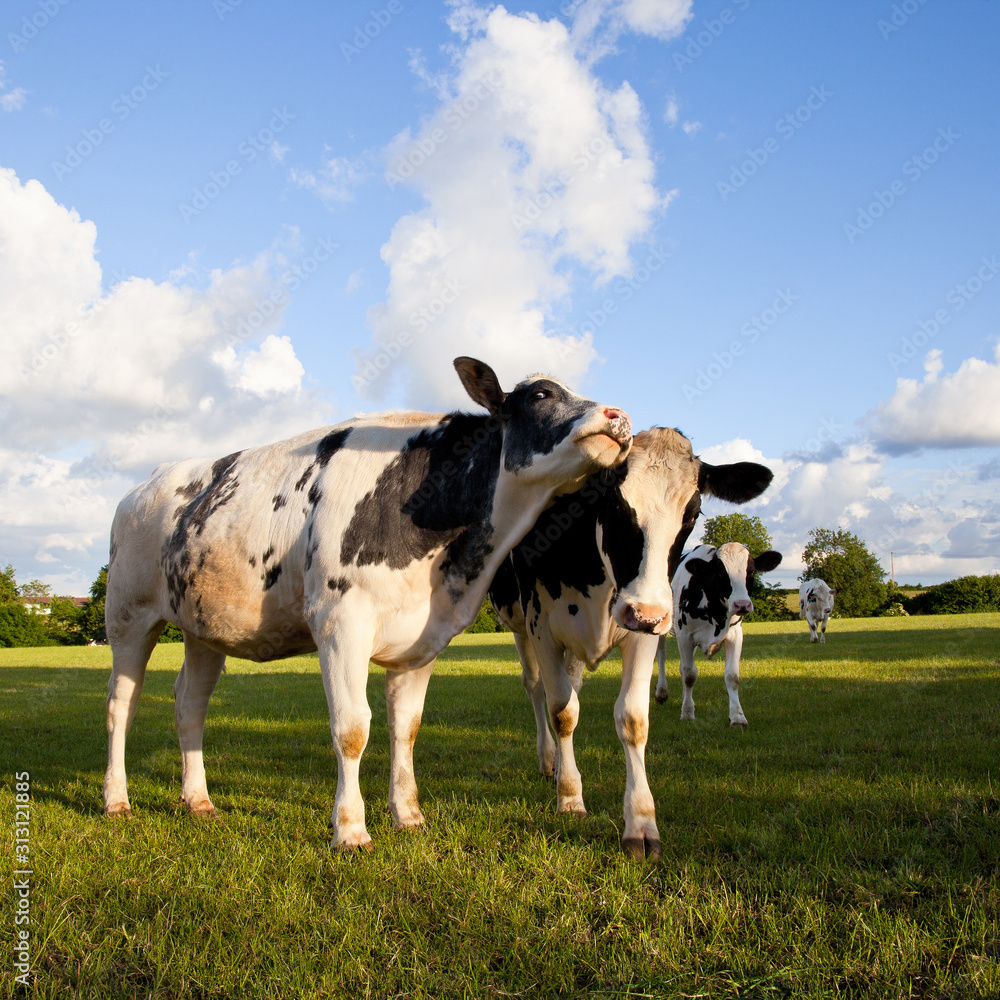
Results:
486 620
19 627
171 633
769 604
964 595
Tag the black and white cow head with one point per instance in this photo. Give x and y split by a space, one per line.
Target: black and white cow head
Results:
550 433
659 503
712 585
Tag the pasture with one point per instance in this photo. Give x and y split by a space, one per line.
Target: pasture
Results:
846 844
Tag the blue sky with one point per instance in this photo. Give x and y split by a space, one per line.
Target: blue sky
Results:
749 220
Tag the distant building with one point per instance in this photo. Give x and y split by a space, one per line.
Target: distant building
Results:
41 605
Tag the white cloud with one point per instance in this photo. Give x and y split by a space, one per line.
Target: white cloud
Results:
336 180
672 113
99 388
691 127
530 169
13 100
661 18
956 410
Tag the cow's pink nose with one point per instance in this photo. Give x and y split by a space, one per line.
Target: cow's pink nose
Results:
613 414
742 607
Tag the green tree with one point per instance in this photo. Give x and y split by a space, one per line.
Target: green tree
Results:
8 584
737 528
65 621
768 604
19 627
35 589
93 614
486 619
845 563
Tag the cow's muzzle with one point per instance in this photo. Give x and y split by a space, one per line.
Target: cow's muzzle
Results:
642 617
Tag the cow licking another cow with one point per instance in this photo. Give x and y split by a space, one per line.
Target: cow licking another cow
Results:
375 539
595 574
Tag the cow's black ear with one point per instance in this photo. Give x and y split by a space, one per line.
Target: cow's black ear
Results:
767 561
736 483
481 383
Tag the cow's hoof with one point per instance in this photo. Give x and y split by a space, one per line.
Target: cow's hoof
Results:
365 845
573 808
642 847
687 717
202 809
738 723
118 809
660 698
410 823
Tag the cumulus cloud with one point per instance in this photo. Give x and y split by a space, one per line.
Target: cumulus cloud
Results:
943 410
531 169
336 180
99 387
12 100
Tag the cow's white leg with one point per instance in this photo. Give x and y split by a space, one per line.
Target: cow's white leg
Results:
132 642
661 662
822 637
564 713
404 700
813 637
689 674
641 838
192 689
344 640
734 646
531 678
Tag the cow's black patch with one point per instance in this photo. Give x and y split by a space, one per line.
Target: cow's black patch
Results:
176 555
271 577
190 491
253 561
315 493
573 609
312 544
268 552
330 445
279 501
304 478
710 580
538 414
561 550
503 590
437 492
339 584
691 512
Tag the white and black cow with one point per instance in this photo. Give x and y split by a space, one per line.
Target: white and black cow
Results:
373 539
816 606
711 596
594 574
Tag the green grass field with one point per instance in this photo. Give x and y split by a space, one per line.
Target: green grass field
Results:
845 845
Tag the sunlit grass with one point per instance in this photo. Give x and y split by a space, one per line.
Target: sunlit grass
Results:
845 844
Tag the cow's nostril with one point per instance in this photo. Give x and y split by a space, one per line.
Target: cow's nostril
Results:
612 414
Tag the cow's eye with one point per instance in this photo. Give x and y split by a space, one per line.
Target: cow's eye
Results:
542 394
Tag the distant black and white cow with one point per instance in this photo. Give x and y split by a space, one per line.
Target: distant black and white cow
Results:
594 574
711 596
816 606
373 539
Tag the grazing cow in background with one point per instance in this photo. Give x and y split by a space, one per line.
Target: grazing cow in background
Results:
594 574
816 606
375 539
711 596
